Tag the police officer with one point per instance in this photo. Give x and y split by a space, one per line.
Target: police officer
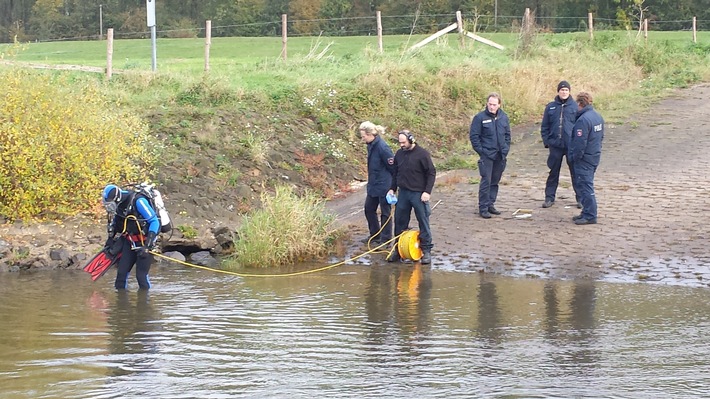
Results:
137 224
380 168
490 138
585 149
555 129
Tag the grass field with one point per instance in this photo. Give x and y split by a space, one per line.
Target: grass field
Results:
188 54
136 53
250 62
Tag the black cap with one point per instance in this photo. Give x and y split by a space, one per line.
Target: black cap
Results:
563 84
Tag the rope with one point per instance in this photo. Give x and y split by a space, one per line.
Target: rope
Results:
320 269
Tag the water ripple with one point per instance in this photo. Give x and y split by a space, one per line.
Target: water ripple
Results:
370 332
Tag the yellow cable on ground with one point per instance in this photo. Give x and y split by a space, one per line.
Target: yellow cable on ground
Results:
272 275
320 269
394 207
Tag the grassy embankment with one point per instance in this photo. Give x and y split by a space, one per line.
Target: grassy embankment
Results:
336 82
252 104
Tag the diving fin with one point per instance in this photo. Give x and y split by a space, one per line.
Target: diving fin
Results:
99 264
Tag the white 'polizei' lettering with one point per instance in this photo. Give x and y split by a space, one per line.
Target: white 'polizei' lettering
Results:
487 121
598 128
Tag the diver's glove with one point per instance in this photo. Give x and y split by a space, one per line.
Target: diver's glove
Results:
142 252
109 242
150 240
148 245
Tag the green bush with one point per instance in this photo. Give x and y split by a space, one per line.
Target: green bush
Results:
60 142
288 228
187 231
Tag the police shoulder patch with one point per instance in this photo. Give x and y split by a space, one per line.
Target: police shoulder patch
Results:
390 161
579 132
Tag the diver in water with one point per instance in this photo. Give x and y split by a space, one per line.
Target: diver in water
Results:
135 221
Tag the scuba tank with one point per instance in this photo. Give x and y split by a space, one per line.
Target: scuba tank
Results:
156 201
165 225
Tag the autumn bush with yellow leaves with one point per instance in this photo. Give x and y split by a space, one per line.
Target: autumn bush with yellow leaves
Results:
60 143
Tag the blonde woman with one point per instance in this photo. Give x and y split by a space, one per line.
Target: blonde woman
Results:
380 167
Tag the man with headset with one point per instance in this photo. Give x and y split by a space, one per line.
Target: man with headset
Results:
414 177
490 138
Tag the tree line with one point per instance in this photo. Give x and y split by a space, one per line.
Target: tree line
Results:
29 20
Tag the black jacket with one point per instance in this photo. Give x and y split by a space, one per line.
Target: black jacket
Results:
414 170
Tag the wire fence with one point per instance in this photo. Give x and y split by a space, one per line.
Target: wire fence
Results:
397 25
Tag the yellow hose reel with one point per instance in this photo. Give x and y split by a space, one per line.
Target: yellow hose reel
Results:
408 245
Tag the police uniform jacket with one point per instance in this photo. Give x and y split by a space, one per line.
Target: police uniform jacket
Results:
380 167
490 134
557 122
587 135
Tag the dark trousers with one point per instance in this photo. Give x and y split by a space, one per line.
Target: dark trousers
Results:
584 184
406 201
129 257
554 162
491 171
373 224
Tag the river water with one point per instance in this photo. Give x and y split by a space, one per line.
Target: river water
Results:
379 331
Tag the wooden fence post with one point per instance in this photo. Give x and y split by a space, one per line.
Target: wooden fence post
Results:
645 29
379 31
591 26
284 36
208 43
459 23
526 20
109 53
695 31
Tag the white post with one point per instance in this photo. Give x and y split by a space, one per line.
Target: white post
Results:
284 36
591 26
695 30
109 53
645 29
150 16
101 22
154 44
379 31
208 42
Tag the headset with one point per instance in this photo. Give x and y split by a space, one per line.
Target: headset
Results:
409 136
